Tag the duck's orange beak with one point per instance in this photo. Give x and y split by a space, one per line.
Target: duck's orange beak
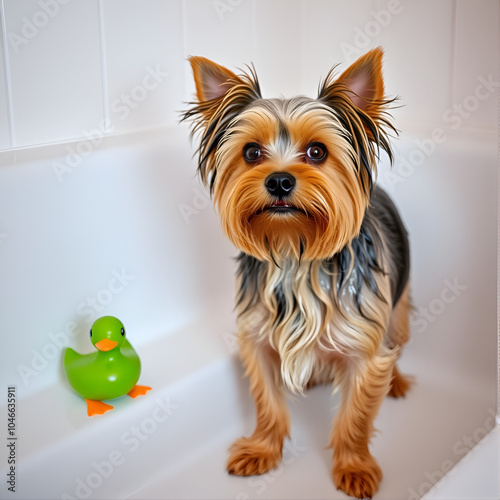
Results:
106 344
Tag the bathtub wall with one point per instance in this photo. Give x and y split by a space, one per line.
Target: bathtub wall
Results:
71 67
100 212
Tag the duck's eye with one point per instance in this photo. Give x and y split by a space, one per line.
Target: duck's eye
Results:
91 332
252 152
316 152
123 331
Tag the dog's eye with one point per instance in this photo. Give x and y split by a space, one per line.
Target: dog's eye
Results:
252 152
316 152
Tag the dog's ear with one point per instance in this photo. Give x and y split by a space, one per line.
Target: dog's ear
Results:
364 80
212 80
357 98
221 97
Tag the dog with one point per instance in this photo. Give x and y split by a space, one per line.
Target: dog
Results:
323 273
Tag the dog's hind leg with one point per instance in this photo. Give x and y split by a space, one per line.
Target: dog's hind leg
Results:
398 334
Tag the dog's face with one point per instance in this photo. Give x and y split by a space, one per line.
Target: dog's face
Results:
290 177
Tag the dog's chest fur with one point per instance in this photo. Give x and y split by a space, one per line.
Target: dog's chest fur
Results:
304 310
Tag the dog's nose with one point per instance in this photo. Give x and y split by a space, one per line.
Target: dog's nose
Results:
280 184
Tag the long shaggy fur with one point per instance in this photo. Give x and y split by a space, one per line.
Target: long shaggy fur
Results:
322 287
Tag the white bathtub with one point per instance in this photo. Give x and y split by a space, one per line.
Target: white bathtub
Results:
123 210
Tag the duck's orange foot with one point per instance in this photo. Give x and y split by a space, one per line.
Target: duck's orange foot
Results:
96 407
139 390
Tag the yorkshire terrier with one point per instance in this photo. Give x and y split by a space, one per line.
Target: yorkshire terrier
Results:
323 276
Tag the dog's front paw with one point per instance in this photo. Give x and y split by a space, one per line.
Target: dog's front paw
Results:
249 457
359 478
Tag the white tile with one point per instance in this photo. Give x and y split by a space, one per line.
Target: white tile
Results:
221 30
278 39
55 63
476 61
417 45
332 33
5 139
144 67
307 38
476 475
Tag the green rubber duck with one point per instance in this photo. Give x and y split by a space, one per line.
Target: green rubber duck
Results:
109 373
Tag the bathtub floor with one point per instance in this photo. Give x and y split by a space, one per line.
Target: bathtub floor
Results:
410 449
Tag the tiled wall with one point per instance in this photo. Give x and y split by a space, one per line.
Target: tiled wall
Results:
71 68
71 214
